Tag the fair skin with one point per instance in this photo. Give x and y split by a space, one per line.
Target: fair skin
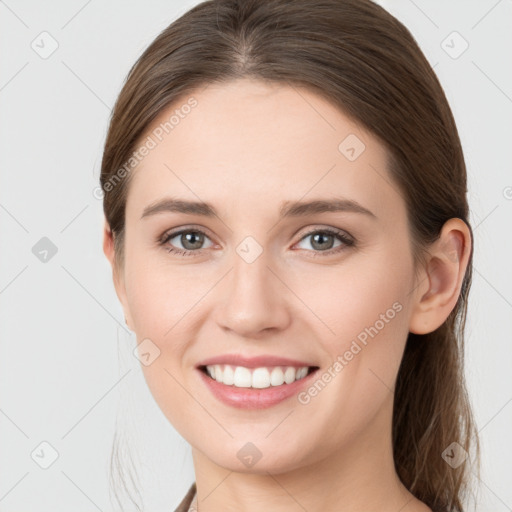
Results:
246 148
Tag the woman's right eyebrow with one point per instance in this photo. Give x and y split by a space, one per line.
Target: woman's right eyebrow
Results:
287 209
170 204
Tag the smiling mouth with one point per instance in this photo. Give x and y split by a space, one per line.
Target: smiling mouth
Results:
258 378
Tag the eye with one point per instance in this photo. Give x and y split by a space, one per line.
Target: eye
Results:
322 241
190 239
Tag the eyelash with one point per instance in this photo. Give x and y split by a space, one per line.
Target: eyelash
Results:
348 242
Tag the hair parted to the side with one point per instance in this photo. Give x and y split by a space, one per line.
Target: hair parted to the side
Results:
362 59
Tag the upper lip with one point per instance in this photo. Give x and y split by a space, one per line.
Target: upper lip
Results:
253 362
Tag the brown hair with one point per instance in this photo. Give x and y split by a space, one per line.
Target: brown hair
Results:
363 60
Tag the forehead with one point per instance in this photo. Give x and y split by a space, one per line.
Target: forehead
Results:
256 144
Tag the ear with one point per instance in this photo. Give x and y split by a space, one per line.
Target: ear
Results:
441 279
117 273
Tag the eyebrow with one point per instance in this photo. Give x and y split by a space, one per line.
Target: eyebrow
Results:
287 209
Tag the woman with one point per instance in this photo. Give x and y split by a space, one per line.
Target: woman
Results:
249 134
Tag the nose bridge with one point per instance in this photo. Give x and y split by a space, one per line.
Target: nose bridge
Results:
250 285
253 301
250 270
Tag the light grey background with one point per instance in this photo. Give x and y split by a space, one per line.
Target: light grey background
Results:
66 369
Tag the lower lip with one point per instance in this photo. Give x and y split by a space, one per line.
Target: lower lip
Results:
253 398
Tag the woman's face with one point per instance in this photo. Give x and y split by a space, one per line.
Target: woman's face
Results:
265 277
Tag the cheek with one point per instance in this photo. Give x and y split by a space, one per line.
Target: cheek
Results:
161 296
160 305
365 306
367 294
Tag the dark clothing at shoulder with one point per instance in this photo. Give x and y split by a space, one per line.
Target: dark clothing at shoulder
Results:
187 500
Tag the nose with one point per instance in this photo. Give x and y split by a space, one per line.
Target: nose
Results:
255 299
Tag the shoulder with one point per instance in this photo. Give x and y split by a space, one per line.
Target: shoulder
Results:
187 500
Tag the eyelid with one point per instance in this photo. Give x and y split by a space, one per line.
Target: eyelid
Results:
328 229
171 233
202 229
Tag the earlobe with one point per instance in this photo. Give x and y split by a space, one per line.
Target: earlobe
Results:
441 279
109 251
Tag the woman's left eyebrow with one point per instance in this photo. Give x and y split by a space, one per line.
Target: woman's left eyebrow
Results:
287 209
300 208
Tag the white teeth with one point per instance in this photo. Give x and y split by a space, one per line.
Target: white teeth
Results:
276 377
228 377
242 378
259 378
289 375
301 373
